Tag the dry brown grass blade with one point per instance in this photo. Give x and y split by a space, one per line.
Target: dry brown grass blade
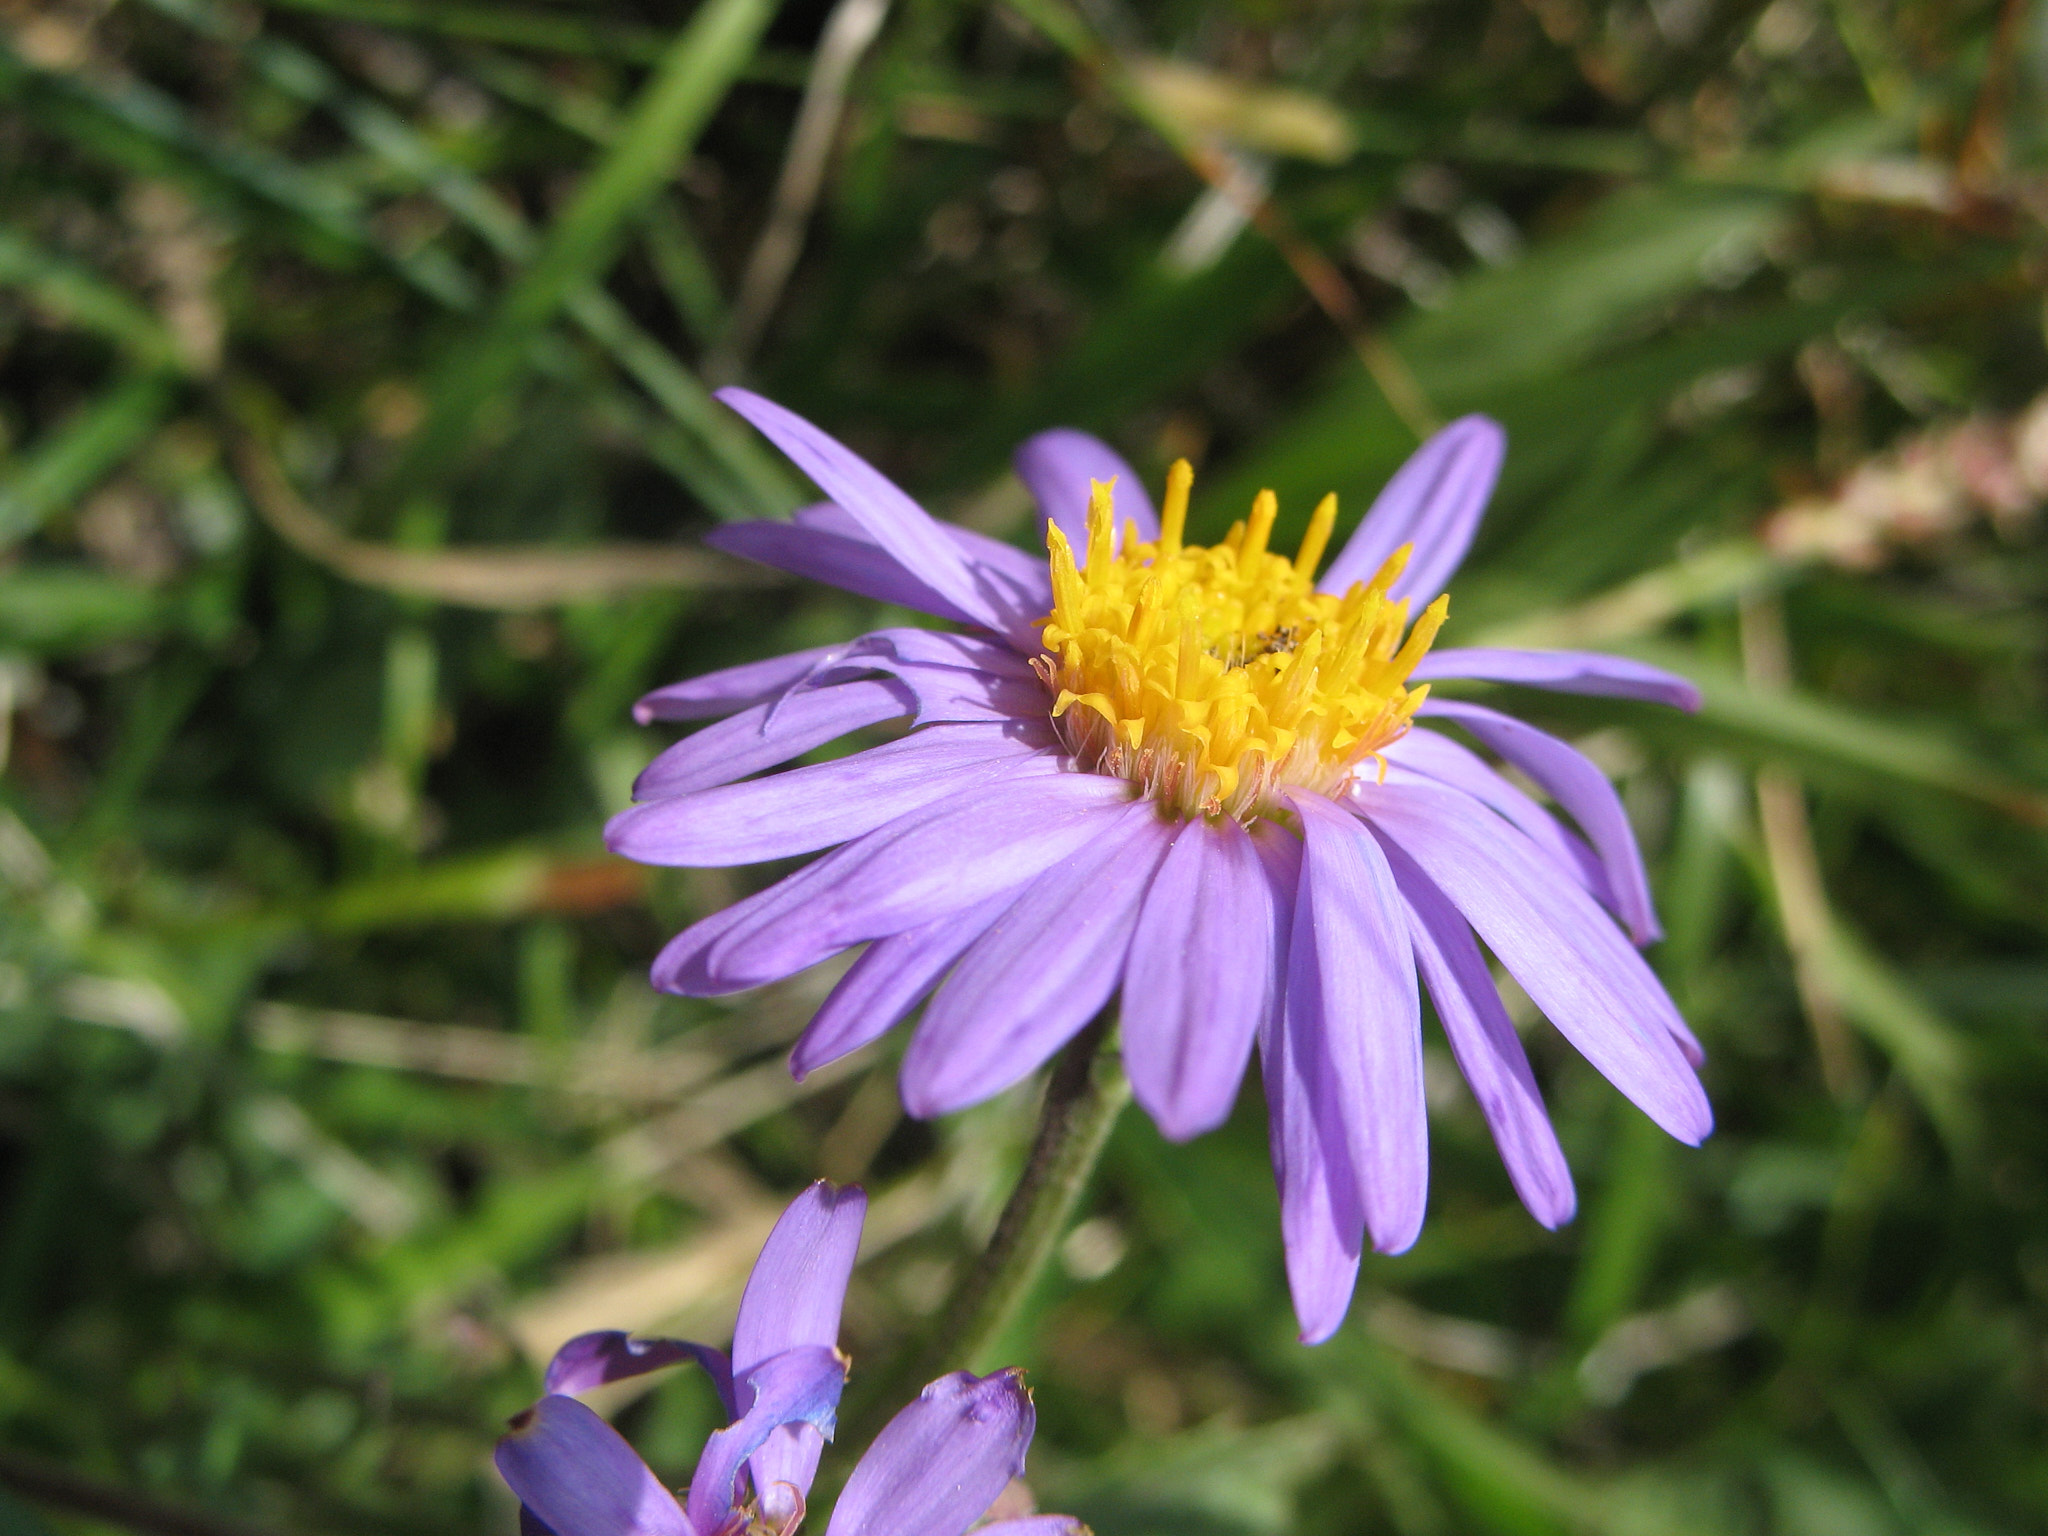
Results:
1205 154
513 578
852 27
693 1286
1803 912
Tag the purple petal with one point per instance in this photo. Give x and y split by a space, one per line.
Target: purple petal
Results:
793 1298
1569 777
899 525
799 1386
772 733
1433 756
1350 963
1042 970
938 1465
1566 953
986 556
954 677
722 692
1057 467
1022 580
936 860
1434 502
954 695
1203 975
809 808
1614 677
580 1478
1035 1525
1322 1225
852 565
798 1284
1488 1050
886 982
592 1359
1018 585
936 648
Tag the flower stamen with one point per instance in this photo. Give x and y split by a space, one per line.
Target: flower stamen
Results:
1216 676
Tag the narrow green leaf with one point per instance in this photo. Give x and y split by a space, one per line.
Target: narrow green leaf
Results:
133 124
1927 1050
71 294
732 474
549 31
672 109
1841 735
76 456
54 609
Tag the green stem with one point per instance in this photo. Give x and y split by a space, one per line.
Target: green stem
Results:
1086 1093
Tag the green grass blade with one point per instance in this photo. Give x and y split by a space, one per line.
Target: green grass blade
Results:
83 451
71 294
693 77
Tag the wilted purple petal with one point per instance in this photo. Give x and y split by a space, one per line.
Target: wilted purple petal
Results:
852 565
955 695
1434 502
1566 953
954 677
1614 677
799 1386
732 688
895 522
1202 977
1483 1040
1437 757
793 1298
936 860
939 1464
809 808
580 1478
886 982
1350 944
1042 970
1057 466
936 648
772 733
592 1359
1569 777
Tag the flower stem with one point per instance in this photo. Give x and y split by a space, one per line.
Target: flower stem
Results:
1086 1093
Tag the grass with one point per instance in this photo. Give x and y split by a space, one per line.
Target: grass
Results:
329 1080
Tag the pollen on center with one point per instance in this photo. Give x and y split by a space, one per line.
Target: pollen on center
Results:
1215 676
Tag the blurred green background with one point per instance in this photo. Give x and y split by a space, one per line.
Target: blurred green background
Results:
354 434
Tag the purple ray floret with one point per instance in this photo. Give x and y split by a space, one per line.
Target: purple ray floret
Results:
933 1471
1264 836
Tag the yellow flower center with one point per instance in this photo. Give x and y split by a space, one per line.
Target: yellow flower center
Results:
1215 676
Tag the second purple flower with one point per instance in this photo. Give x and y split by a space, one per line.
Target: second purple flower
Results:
934 1470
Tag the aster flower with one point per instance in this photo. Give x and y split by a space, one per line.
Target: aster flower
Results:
1205 777
933 1470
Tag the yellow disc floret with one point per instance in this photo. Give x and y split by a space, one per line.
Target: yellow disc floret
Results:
1215 676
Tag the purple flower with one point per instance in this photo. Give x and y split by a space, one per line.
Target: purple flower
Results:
1203 776
933 1470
